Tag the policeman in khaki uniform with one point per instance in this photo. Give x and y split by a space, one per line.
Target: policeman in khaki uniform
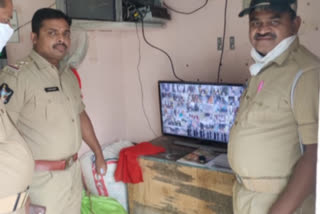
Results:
16 163
275 173
16 167
47 108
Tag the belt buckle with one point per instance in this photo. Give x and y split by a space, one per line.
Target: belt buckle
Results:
69 162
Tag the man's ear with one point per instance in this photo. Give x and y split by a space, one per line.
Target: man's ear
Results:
34 38
296 24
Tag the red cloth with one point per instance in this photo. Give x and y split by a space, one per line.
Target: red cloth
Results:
75 72
128 168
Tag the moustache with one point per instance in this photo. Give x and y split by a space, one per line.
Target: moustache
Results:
261 36
62 44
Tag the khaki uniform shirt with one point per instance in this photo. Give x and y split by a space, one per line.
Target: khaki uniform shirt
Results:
264 140
45 106
16 163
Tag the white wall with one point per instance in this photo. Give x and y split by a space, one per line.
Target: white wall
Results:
109 73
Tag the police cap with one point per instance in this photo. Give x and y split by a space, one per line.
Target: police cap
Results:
276 5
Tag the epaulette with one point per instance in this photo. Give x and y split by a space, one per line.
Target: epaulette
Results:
16 67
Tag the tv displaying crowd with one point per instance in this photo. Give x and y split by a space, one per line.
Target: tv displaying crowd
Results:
200 111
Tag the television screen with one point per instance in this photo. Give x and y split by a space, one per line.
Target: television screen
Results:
203 111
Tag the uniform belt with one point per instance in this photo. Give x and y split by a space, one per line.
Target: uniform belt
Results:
44 165
264 185
13 202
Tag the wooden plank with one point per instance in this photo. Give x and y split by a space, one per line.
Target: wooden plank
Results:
177 189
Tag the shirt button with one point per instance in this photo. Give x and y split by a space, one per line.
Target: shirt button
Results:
68 98
72 120
236 123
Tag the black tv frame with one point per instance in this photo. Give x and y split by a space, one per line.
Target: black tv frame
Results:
192 141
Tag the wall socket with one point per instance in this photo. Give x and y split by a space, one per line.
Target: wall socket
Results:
219 43
232 43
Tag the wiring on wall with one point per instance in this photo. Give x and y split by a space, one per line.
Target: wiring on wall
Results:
21 26
140 82
159 49
223 41
183 12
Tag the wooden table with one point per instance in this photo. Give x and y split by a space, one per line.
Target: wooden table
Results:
175 188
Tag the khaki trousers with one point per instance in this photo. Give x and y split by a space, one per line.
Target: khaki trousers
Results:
59 191
249 202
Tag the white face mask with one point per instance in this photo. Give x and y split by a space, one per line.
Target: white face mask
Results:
5 34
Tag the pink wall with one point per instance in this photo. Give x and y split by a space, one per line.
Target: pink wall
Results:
191 41
112 92
103 86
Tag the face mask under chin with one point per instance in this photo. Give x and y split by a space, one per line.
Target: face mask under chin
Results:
5 34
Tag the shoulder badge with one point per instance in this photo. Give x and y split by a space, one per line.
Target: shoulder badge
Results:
17 66
5 93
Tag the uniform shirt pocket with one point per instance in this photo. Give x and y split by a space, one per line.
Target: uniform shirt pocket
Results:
55 106
47 106
266 107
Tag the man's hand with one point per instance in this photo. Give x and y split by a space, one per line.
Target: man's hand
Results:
101 166
301 184
89 136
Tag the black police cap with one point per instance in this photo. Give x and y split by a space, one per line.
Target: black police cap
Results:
277 5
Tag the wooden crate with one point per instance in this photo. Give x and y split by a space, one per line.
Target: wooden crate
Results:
174 188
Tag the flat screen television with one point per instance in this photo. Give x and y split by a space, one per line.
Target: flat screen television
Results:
201 111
